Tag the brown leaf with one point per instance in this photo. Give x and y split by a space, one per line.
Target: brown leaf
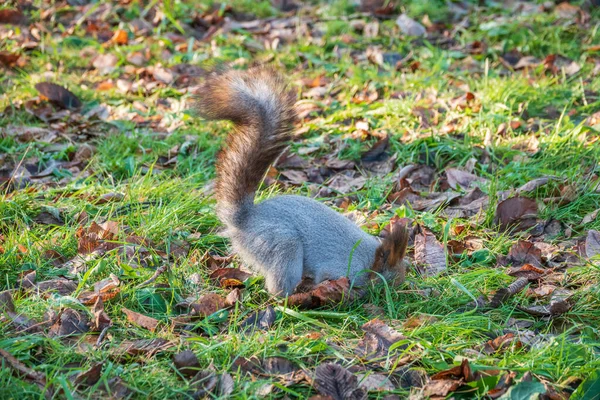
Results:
70 322
230 277
559 304
378 339
339 383
531 272
501 342
534 184
147 347
458 178
12 16
6 302
109 198
504 294
117 389
214 262
187 363
89 377
344 184
409 26
376 382
262 319
58 95
9 59
208 304
592 244
430 254
101 319
377 152
524 252
63 287
105 63
440 388
518 212
416 321
294 176
140 319
460 372
326 292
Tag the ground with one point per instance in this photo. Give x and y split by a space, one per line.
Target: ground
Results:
473 123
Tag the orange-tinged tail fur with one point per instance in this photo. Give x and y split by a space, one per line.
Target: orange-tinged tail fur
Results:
260 105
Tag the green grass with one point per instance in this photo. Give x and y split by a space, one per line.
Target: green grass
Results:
168 204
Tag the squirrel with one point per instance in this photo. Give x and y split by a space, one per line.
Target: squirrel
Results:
289 239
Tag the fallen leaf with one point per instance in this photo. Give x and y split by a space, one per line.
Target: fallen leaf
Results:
9 59
375 382
524 252
101 319
70 322
105 63
528 271
262 319
229 277
378 340
208 304
63 287
460 372
458 178
187 363
140 319
559 305
518 212
12 16
492 346
592 244
430 254
534 184
326 292
147 347
590 217
58 95
89 377
504 294
440 388
409 26
339 383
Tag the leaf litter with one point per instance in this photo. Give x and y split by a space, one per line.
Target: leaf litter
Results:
455 190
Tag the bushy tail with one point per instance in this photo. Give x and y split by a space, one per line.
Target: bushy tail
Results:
258 102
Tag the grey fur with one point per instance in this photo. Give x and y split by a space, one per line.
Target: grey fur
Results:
288 238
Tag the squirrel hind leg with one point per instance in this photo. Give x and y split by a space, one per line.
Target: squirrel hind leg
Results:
284 273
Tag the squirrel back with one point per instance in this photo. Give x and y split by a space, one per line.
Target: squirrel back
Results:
261 107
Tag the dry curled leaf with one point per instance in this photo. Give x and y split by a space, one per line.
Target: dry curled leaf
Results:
518 212
461 179
208 304
262 319
140 319
326 292
592 244
504 294
378 340
187 363
90 376
70 322
58 95
229 277
339 383
430 254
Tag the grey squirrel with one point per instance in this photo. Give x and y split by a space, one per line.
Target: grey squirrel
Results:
289 239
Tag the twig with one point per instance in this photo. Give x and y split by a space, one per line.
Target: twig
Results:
160 270
102 335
